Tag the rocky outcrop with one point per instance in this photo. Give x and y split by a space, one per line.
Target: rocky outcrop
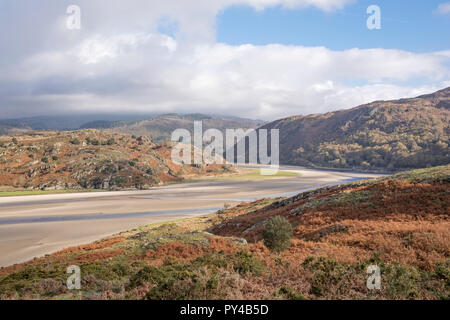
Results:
90 159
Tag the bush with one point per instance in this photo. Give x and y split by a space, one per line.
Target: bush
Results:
44 160
51 287
328 276
245 263
291 294
55 158
75 141
277 234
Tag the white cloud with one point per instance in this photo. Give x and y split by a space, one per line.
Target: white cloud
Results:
326 5
443 8
119 62
141 73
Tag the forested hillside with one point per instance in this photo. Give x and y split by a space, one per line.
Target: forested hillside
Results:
400 134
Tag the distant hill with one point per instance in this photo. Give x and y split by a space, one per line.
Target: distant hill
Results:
104 124
13 128
65 122
90 159
399 134
160 128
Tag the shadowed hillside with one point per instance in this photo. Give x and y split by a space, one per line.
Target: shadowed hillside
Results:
160 128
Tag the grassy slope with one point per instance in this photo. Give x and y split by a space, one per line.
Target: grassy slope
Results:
400 223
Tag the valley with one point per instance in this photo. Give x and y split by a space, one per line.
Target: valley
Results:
400 223
34 225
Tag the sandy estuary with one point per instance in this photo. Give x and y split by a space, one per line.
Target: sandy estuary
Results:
33 226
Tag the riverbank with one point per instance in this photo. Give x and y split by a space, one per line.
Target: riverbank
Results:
64 220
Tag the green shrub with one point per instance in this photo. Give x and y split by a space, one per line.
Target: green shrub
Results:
328 275
28 279
75 141
403 282
44 160
245 263
291 294
102 271
277 234
164 276
442 271
110 168
55 158
119 181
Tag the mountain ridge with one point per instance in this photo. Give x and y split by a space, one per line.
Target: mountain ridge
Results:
161 127
395 134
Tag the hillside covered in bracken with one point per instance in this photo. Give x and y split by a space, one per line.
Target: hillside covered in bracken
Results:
403 218
400 223
89 159
386 135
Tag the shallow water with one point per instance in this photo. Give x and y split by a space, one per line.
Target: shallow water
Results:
101 216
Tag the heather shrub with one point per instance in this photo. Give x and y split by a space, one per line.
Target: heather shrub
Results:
51 287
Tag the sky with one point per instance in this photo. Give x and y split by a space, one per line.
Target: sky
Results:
262 59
